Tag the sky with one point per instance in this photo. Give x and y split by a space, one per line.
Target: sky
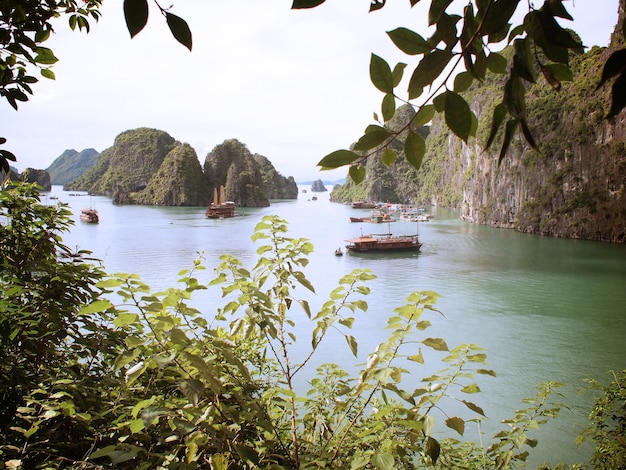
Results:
291 85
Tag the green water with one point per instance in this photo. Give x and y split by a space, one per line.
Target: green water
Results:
545 309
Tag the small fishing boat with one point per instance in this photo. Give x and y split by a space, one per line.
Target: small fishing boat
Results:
338 252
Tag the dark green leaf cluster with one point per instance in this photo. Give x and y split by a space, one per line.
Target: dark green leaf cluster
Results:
465 41
136 15
608 422
24 26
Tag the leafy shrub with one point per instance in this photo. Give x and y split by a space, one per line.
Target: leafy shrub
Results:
146 380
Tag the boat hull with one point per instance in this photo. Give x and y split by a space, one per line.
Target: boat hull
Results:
369 243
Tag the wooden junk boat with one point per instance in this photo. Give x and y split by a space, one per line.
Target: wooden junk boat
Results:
90 216
220 208
383 242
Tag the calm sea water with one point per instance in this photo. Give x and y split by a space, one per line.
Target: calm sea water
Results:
545 309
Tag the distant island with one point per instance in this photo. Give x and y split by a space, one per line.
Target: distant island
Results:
148 166
318 187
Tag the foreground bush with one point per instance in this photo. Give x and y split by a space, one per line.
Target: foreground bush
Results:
136 379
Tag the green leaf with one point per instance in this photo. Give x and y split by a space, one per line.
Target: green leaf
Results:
192 389
557 9
377 5
437 344
527 134
473 407
389 157
414 149
429 68
433 449
49 74
553 31
417 357
136 15
424 115
136 426
458 115
383 461
123 319
497 63
135 372
247 453
561 72
522 60
499 113
354 347
472 388
479 357
374 136
180 30
515 97
301 4
486 372
498 16
388 107
457 424
409 42
337 159
437 8
45 56
398 73
380 74
509 132
301 278
357 173
95 306
463 81
447 30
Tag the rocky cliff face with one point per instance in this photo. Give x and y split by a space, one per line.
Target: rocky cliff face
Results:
276 185
179 181
575 187
318 187
41 177
30 175
249 180
129 164
148 166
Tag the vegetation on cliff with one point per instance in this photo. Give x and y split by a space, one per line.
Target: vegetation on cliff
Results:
276 185
71 165
127 167
249 180
389 180
179 181
572 185
148 166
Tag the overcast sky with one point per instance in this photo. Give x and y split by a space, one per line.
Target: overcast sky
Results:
291 85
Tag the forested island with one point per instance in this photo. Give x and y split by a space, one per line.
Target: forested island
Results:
148 166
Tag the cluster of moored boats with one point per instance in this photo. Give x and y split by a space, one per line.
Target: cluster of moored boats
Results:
386 213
